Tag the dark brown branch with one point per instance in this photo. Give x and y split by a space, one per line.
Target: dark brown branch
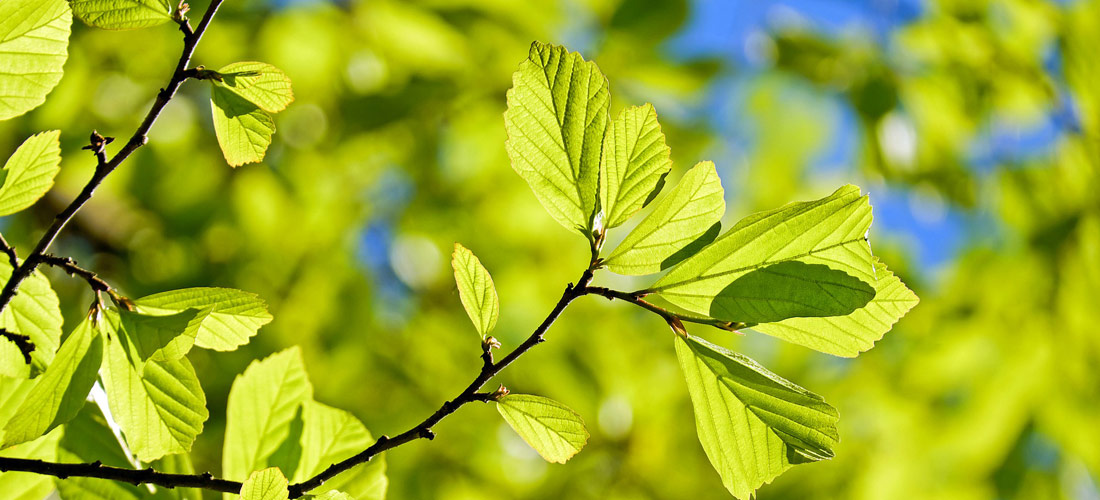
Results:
105 167
69 266
13 258
23 342
132 476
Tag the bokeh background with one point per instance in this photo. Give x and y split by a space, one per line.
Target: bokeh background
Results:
974 125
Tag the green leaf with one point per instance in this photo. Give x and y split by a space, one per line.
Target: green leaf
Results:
160 338
556 117
267 484
244 130
35 312
259 83
683 221
26 485
790 289
88 438
551 428
122 14
330 435
160 409
475 289
634 164
12 362
29 172
753 424
262 402
235 316
34 43
60 392
335 495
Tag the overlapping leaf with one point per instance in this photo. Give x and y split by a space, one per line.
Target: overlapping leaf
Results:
27 485
243 129
267 484
259 83
159 338
330 435
551 428
235 316
30 171
681 223
633 165
475 289
556 118
88 438
34 43
123 14
35 312
753 424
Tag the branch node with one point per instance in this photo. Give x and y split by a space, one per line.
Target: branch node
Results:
427 434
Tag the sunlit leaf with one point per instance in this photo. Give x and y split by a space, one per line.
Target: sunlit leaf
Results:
330 435
13 391
259 83
27 485
30 171
123 14
475 289
34 43
556 117
160 338
243 129
267 484
752 423
235 316
634 163
682 222
551 428
35 312
12 362
88 438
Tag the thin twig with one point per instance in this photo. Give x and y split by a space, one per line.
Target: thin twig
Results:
636 299
69 266
13 258
97 470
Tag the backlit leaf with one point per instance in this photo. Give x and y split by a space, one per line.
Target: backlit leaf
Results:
475 289
34 43
551 428
235 316
160 338
634 163
259 83
35 312
29 172
27 485
123 14
267 484
243 129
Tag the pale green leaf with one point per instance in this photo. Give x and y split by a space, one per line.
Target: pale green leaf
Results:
244 130
160 338
88 438
551 428
259 83
34 43
35 312
682 222
475 289
12 362
262 402
235 316
27 485
30 171
59 393
123 14
267 484
556 117
335 495
634 163
160 409
753 424
330 435
12 393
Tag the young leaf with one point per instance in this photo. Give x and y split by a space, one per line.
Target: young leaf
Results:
122 14
262 402
235 316
27 485
29 172
330 435
551 428
243 129
557 113
475 289
34 43
160 409
267 484
634 163
60 392
259 83
680 222
35 312
160 338
753 424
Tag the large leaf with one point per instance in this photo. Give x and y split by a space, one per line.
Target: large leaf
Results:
634 163
244 130
753 424
12 393
790 289
34 43
235 316
262 402
259 83
27 485
160 338
160 409
35 312
330 435
88 438
551 428
556 117
267 484
475 289
60 393
123 14
29 172
682 222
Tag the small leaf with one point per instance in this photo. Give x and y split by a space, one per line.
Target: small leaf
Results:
259 83
235 316
244 130
262 402
556 117
551 428
160 338
475 289
267 484
634 163
35 312
679 220
122 14
29 172
753 424
34 43
60 392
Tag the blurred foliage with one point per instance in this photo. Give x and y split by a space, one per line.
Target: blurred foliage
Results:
394 150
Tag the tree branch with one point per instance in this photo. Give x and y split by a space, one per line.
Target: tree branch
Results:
133 476
637 299
69 266
105 167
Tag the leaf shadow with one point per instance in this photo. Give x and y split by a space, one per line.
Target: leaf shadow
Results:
694 247
790 289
